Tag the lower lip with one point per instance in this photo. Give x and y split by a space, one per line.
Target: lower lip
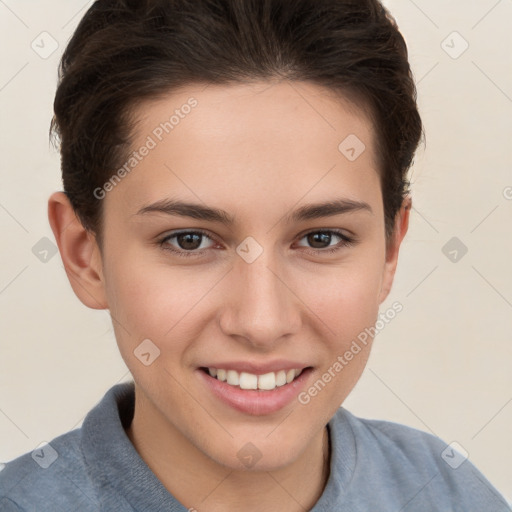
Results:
254 402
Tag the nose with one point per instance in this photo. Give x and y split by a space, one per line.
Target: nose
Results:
260 306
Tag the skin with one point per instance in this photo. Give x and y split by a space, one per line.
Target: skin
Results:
258 151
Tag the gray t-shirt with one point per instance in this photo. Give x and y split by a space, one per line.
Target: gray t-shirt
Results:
376 466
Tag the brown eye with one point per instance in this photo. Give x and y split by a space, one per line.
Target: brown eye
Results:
187 243
320 241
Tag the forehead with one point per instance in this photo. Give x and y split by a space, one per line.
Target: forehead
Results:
274 140
255 112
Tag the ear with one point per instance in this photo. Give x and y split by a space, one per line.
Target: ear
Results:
79 252
393 247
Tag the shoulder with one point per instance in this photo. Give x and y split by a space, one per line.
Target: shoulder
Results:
411 463
52 472
77 470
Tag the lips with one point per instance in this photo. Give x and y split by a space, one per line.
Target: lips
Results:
257 393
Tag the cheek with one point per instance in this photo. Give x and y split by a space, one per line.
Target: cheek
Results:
345 298
347 308
152 300
345 301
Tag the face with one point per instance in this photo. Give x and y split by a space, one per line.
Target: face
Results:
251 281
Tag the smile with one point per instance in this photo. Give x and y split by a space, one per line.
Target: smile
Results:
246 380
255 394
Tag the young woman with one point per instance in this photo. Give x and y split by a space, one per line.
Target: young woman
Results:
235 194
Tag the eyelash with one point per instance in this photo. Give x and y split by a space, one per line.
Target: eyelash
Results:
345 242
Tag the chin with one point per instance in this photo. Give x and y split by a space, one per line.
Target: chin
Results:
255 455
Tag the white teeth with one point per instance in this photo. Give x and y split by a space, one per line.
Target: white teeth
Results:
248 381
280 378
245 380
267 381
233 378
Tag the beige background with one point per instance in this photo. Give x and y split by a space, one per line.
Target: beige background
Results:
443 365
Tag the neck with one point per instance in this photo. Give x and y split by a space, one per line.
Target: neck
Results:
198 482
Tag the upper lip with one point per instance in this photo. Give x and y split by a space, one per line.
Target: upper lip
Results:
258 368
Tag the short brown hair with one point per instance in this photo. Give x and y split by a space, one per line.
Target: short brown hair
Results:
127 51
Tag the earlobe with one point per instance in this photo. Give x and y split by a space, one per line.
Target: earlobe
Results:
392 251
79 252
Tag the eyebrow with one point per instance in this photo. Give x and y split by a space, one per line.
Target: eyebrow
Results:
206 213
